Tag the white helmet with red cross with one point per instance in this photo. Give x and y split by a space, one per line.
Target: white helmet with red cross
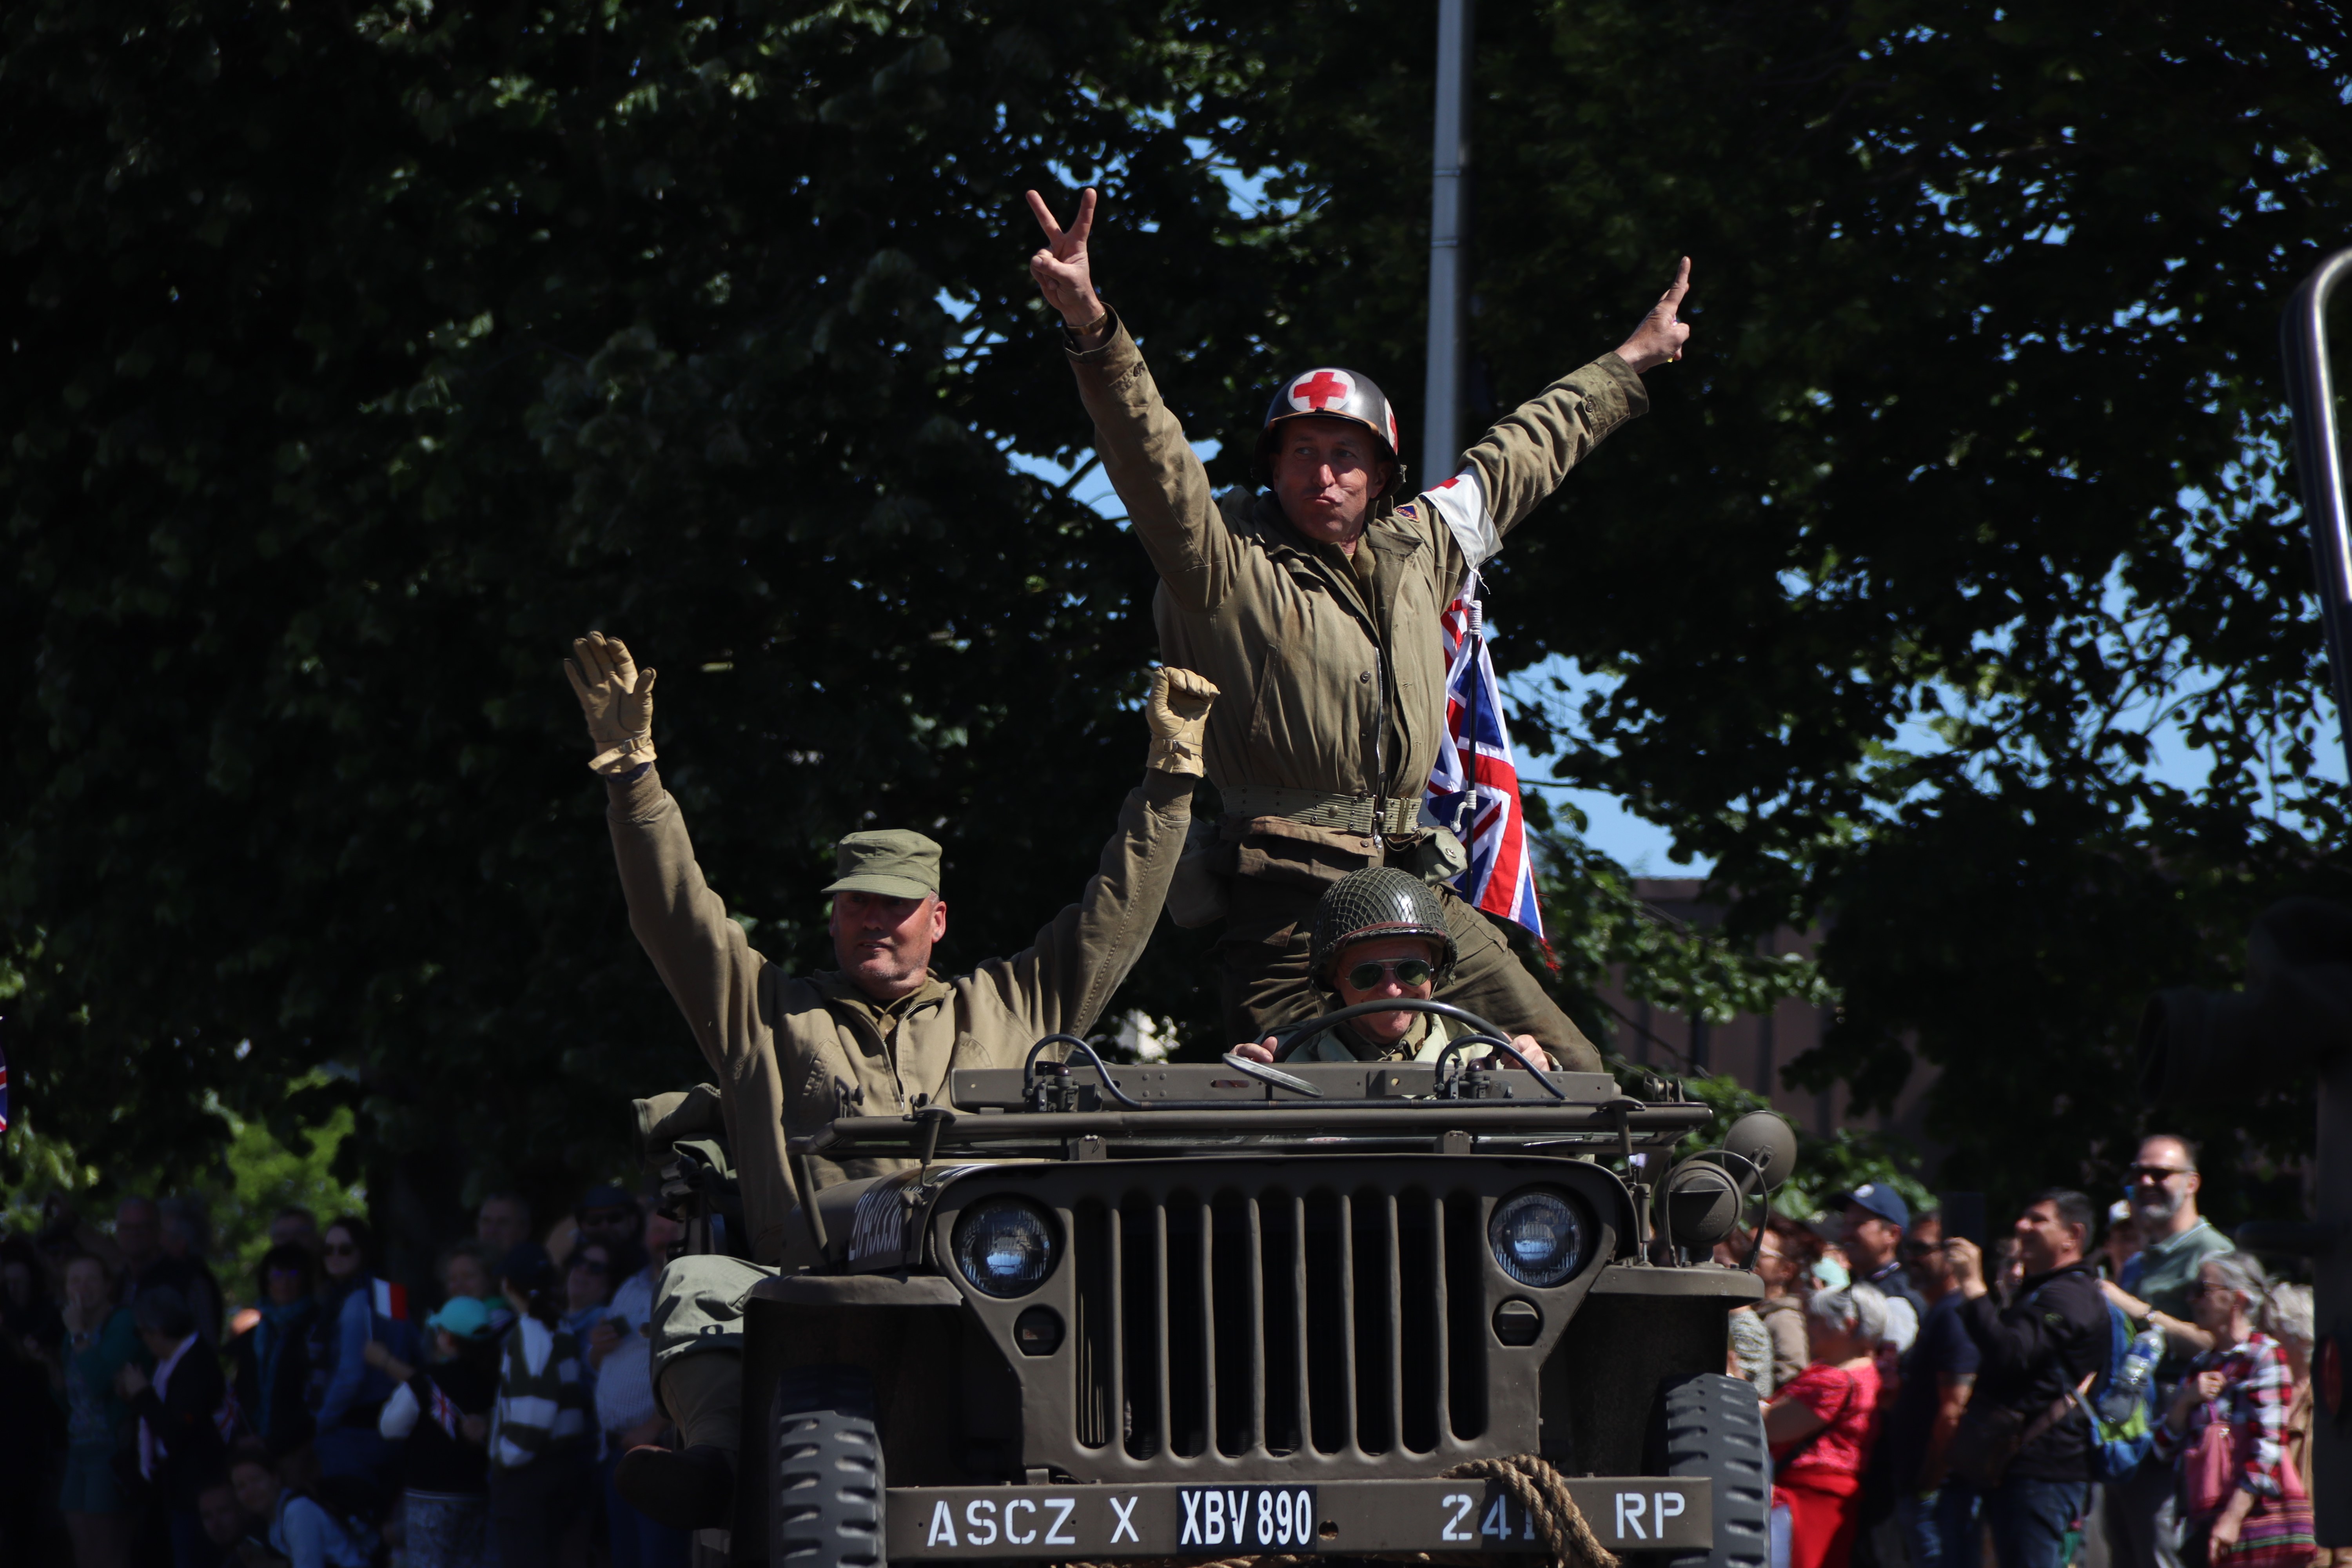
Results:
1327 392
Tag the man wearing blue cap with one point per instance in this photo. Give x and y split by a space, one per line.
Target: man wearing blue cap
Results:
1875 1218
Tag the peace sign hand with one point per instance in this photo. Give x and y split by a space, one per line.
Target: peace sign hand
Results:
1063 274
1659 338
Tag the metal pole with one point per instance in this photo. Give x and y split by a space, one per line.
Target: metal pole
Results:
2319 462
1449 206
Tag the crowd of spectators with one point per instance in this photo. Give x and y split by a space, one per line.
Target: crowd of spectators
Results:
2140 1398
154 1415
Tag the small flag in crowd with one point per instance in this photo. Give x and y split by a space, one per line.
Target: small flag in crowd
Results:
1474 786
446 1414
391 1300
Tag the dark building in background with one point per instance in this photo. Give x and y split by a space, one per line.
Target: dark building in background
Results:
1751 1049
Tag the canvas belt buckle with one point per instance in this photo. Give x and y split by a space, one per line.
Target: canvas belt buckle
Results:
1315 808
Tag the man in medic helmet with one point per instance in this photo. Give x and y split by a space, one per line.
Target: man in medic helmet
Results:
1314 605
1381 934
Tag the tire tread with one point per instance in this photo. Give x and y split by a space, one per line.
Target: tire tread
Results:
1712 1428
827 1512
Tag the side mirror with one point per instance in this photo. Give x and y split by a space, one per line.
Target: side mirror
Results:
1768 1144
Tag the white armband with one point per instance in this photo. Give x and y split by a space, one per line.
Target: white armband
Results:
1461 501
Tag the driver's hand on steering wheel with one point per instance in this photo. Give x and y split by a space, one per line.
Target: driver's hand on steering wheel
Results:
1527 1048
1262 1052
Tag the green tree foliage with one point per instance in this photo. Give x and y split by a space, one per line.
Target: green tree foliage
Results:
254 1176
1973 482
361 358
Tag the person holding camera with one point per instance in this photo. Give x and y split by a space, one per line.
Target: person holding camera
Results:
2019 1446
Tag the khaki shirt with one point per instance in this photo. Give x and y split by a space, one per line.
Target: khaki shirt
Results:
791 1053
1332 668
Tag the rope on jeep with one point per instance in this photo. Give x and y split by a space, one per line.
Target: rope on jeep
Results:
1529 1481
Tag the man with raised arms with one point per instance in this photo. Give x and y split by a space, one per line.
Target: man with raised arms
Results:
880 1035
1314 605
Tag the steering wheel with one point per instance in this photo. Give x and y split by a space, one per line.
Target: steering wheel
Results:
1289 1034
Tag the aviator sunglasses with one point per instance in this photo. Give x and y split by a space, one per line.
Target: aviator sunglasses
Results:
1409 972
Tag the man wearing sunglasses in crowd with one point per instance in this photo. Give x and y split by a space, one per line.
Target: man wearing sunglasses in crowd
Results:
1380 934
2161 1185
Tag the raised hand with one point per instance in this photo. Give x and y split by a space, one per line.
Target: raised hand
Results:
1659 337
616 698
1179 714
1063 274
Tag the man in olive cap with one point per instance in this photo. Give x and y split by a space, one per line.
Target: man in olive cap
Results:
1317 604
876 1036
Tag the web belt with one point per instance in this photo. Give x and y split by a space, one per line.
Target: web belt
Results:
1313 808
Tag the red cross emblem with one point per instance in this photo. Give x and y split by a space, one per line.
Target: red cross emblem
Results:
1321 389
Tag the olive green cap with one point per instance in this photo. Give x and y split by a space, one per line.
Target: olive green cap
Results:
891 862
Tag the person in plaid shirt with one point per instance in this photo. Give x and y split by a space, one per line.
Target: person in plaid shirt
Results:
2244 1380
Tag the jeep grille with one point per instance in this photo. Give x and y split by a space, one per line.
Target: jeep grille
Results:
1191 1334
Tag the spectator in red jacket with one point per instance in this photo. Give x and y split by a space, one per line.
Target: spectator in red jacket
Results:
1823 1423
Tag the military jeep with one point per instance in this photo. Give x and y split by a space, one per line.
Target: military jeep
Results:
1227 1310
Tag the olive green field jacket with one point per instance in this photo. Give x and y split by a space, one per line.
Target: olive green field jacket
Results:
1333 677
791 1052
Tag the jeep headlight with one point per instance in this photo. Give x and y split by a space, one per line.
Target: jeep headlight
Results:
1004 1247
1539 1236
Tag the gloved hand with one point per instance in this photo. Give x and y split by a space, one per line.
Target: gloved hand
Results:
1179 710
618 698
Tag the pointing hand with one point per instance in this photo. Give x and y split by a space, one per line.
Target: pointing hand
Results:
1659 338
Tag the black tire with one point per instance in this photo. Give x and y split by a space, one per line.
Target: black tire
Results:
1711 1426
827 1510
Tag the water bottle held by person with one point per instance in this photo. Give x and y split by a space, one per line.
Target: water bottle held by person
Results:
2131 1381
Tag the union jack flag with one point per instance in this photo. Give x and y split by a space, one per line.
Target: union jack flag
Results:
1473 788
446 1413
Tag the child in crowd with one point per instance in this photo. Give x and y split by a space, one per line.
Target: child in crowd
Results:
296 1528
441 1416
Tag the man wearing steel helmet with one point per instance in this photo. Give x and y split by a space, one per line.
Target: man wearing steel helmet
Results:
1316 606
1380 934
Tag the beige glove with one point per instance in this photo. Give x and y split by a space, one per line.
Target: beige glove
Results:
618 698
1179 710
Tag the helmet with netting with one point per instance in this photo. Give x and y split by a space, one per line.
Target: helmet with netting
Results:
1377 901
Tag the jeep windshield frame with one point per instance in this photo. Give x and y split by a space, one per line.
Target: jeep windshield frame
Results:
1045 1108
